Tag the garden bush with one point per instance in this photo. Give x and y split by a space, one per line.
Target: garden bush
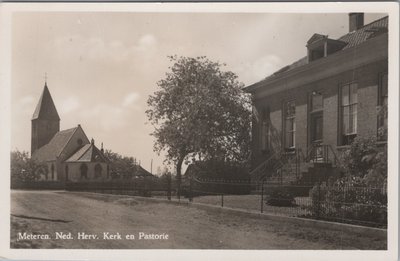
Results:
349 199
361 194
281 197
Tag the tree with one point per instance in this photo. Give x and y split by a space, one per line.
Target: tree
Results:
200 112
25 169
122 166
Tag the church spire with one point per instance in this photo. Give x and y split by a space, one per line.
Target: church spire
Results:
45 109
45 121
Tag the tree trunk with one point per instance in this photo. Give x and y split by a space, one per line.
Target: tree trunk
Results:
179 176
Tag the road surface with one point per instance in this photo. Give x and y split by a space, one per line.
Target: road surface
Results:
50 219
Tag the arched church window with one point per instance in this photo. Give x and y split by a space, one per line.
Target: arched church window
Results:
46 172
97 170
84 170
79 141
66 172
52 171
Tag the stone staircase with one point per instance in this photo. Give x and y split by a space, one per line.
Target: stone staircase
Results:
294 169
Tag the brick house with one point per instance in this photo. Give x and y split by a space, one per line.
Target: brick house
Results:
316 106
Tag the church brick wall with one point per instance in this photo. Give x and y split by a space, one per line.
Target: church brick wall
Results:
73 145
42 132
74 172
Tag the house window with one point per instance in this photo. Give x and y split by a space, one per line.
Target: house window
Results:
265 134
264 128
316 102
290 124
84 170
316 117
348 113
382 107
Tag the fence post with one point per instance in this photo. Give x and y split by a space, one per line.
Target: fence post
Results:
319 198
144 186
222 200
262 197
169 186
190 189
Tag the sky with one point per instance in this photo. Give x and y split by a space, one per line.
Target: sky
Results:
102 67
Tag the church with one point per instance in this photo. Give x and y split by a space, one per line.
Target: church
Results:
68 154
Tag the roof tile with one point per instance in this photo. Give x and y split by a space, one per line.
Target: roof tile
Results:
88 153
352 39
45 109
53 149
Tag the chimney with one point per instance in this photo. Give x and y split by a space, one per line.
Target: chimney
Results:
356 21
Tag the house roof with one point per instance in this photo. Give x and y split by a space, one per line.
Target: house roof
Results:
140 171
45 109
366 32
316 37
351 39
53 149
88 153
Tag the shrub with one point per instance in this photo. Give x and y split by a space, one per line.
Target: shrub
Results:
366 159
281 197
361 194
351 199
216 177
25 169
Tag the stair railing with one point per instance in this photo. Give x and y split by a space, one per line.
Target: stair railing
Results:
259 172
322 153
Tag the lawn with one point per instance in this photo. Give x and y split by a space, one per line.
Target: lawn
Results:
253 203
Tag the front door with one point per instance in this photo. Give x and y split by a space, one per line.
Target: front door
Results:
317 134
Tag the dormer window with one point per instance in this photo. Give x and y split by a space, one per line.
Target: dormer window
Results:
320 46
316 53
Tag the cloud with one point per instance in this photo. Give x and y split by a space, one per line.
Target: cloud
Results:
69 104
130 99
146 42
26 100
256 70
26 104
111 117
107 117
99 49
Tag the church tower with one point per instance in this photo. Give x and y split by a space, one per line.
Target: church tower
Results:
45 121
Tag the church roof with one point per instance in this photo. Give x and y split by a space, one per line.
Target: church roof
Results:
53 149
45 108
88 153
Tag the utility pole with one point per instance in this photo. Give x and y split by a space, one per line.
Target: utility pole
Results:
151 167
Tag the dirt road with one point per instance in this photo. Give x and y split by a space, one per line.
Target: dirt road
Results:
76 215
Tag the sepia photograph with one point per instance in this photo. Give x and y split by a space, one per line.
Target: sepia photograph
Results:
202 129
